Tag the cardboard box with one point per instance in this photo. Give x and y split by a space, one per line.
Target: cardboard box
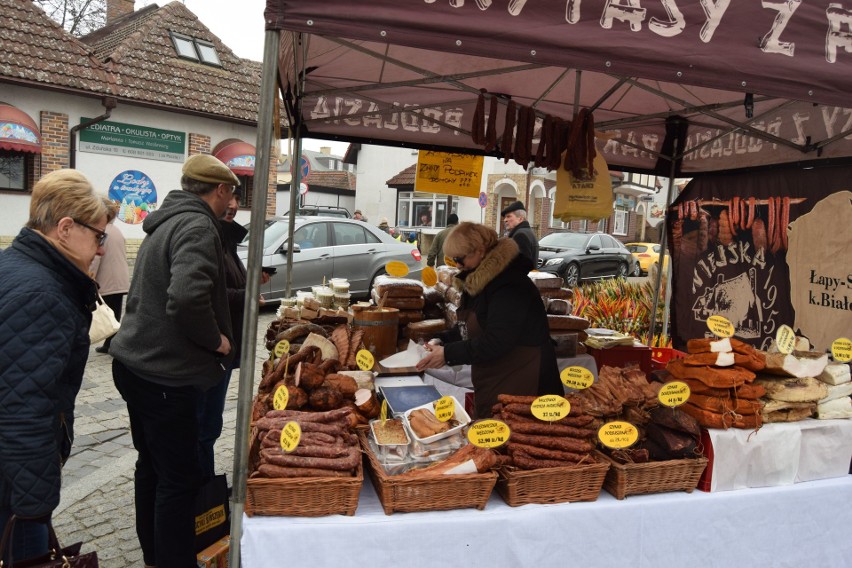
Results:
215 555
622 356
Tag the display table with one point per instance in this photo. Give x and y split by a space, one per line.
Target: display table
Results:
798 525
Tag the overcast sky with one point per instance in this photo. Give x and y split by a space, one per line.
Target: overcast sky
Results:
240 26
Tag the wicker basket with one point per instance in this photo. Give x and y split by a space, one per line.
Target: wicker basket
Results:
552 485
652 477
432 494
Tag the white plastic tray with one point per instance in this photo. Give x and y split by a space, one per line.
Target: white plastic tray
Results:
460 415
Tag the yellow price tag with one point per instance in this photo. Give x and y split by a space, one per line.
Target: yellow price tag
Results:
720 326
550 407
841 350
674 394
445 408
785 339
618 435
450 262
429 276
383 414
281 398
488 433
396 268
281 348
291 433
577 377
365 360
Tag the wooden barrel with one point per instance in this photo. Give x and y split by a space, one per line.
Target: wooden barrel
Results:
381 328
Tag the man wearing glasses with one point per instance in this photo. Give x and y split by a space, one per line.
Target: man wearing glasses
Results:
174 344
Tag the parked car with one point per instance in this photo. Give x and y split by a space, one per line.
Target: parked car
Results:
321 210
329 247
647 254
584 256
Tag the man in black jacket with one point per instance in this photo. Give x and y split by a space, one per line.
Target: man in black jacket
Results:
515 221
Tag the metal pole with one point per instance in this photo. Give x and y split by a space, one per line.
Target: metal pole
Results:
268 92
296 178
663 239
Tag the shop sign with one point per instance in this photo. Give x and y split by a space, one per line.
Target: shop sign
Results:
133 141
136 194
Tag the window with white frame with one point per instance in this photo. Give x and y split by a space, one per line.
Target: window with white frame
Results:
620 222
418 209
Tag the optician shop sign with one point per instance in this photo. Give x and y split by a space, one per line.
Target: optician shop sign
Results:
133 141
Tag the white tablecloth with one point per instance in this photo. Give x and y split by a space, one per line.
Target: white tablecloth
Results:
801 525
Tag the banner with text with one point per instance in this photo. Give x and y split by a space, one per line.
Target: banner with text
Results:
133 141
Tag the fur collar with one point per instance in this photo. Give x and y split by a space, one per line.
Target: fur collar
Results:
495 262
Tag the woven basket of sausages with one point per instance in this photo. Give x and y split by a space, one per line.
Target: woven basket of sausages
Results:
623 479
411 493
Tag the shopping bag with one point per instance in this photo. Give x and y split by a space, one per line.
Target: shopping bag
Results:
59 556
212 513
104 323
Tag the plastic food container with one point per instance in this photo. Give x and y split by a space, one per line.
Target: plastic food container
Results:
339 285
435 451
390 452
461 416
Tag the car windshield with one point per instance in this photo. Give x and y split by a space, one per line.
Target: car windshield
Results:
272 232
636 248
564 240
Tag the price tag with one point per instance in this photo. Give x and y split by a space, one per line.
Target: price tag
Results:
618 435
841 350
429 276
785 339
396 268
577 377
720 326
445 408
383 414
291 433
674 394
365 360
280 398
281 348
488 433
450 262
550 407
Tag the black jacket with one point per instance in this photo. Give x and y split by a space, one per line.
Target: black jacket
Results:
527 241
235 280
46 307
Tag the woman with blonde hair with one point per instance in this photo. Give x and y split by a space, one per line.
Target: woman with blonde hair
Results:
502 331
46 303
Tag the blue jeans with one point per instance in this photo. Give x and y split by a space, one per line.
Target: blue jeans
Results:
164 427
210 410
28 540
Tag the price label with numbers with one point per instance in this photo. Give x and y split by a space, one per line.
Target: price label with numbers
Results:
577 377
365 360
281 348
383 413
488 433
720 326
550 407
445 408
618 435
785 339
673 394
291 433
841 350
280 398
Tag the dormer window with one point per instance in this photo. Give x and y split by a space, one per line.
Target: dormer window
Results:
195 49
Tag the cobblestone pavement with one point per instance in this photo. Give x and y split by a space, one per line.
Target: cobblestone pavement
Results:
97 485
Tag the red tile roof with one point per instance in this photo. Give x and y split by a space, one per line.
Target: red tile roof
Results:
336 179
405 177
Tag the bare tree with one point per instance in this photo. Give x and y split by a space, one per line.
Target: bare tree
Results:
78 17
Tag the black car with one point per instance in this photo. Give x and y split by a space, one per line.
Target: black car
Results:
585 256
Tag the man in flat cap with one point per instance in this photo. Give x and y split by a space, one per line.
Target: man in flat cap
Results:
515 222
175 342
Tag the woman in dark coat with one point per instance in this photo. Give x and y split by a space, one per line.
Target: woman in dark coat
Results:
46 303
502 332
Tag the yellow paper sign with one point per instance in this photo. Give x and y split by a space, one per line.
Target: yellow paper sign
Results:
577 377
841 350
673 394
618 435
450 174
365 360
281 398
720 326
383 414
429 276
550 407
445 408
291 433
785 339
488 433
396 268
281 348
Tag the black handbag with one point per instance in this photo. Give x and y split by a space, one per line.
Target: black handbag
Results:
58 557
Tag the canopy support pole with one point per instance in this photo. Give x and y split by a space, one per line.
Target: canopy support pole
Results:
663 265
268 92
296 159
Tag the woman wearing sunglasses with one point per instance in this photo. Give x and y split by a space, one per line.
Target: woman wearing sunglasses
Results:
502 331
46 303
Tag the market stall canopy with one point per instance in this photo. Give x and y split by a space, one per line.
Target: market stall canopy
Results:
239 156
18 132
738 84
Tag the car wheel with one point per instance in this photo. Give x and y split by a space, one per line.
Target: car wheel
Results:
622 271
637 271
572 275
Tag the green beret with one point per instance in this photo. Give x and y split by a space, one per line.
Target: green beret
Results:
204 167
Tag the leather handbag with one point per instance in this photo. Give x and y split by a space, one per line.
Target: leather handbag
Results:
104 323
58 557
